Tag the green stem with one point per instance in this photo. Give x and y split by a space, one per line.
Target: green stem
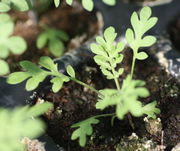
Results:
85 85
104 115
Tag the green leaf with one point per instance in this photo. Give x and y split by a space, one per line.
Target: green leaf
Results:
18 123
109 2
145 13
84 129
4 67
88 4
4 7
17 45
57 2
69 2
6 29
70 71
148 41
141 56
57 84
41 40
17 77
129 36
151 110
56 47
108 53
20 5
4 18
48 63
110 35
39 109
4 52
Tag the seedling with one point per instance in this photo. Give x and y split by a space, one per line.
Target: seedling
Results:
8 43
87 4
19 123
54 39
108 55
21 5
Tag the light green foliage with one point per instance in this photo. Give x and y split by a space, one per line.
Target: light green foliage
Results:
54 39
126 100
135 37
8 43
21 122
87 4
108 54
21 5
70 71
84 129
35 74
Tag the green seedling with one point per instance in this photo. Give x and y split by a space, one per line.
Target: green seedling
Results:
21 5
125 98
87 4
54 39
19 123
8 43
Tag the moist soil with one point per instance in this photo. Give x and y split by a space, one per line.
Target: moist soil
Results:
73 103
79 24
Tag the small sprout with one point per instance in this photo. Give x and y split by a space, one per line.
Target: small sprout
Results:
87 4
8 43
108 56
19 123
54 39
84 129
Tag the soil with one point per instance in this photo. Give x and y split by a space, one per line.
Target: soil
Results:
174 31
73 103
79 24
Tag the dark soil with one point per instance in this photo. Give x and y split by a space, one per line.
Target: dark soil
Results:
174 31
74 103
79 24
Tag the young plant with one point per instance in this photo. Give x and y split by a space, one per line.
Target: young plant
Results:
87 4
21 5
8 43
108 55
54 39
19 123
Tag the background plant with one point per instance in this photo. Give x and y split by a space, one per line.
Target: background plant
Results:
19 123
21 5
108 55
8 43
87 4
54 38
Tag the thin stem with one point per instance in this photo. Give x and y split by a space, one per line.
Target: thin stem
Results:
85 85
104 115
132 68
116 80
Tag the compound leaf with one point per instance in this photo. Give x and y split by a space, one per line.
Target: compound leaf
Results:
84 129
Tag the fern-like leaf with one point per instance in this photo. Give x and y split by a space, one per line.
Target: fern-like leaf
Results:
108 54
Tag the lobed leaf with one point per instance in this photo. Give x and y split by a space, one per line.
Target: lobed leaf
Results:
84 129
